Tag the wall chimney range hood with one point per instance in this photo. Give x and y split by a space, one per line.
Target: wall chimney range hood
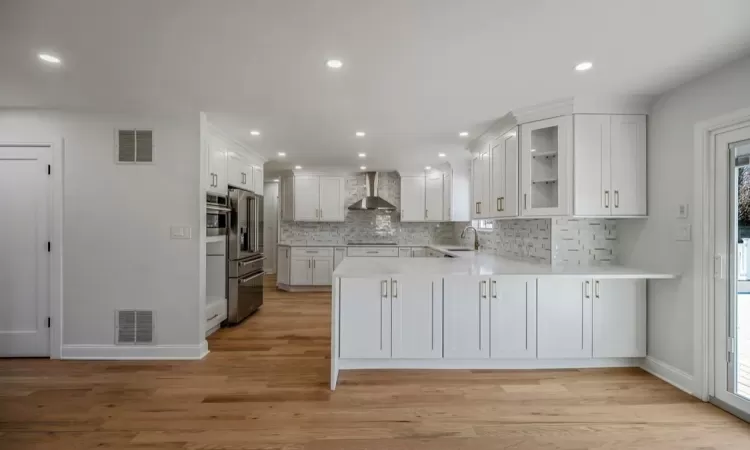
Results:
372 201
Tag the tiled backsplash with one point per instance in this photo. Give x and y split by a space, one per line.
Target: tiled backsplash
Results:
584 241
555 241
369 226
520 238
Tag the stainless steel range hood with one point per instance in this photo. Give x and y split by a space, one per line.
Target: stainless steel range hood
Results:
372 201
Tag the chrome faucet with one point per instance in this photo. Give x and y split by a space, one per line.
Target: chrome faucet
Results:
476 236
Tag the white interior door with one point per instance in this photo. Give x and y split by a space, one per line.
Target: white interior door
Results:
731 372
24 256
271 221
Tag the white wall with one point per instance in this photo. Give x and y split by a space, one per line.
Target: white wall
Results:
271 221
118 253
650 243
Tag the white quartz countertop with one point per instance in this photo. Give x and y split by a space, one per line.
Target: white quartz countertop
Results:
347 245
478 263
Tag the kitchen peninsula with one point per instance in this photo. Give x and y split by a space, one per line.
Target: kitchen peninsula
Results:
474 310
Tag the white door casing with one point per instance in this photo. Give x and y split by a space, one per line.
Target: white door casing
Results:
25 259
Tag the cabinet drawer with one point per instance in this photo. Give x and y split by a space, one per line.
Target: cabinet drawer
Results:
312 251
372 251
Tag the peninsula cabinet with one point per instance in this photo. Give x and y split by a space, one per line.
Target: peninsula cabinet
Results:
466 309
610 165
619 318
399 317
546 167
512 317
564 318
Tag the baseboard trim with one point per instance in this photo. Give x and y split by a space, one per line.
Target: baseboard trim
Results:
672 375
141 352
499 364
290 288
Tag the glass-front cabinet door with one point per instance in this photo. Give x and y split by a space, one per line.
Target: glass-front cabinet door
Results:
546 169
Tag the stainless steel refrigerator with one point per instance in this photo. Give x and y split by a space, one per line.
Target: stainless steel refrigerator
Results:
244 255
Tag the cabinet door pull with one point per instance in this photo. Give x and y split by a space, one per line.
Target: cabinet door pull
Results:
617 198
484 289
314 261
394 288
384 288
493 289
480 207
476 208
502 204
524 202
499 205
425 214
606 199
587 288
596 288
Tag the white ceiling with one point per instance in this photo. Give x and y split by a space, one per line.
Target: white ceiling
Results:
416 72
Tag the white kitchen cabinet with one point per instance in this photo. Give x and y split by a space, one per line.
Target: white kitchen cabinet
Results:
418 252
238 169
503 201
364 318
434 197
564 318
480 192
413 199
512 317
466 307
339 253
619 318
301 273
257 182
417 317
546 167
456 191
331 199
610 165
217 169
372 252
628 165
322 271
306 198
448 194
287 198
404 252
283 266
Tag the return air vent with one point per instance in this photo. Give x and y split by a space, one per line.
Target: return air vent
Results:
134 327
135 146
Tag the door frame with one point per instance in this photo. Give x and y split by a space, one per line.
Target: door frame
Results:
704 192
56 238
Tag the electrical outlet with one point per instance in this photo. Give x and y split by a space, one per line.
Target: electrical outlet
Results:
683 211
682 233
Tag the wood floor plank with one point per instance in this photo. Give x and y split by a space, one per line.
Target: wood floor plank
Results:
264 386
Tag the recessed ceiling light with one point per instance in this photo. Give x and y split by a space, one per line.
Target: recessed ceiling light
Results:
362 167
281 154
584 66
255 133
511 134
362 155
298 167
48 58
532 150
360 134
427 168
441 155
334 64
276 180
463 133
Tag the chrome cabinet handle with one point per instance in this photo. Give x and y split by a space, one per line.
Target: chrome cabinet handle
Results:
502 203
314 261
476 208
524 202
425 213
586 289
480 207
394 288
617 198
499 205
309 264
606 199
384 288
484 289
596 288
493 289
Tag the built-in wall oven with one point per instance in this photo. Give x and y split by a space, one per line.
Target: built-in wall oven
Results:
244 254
217 209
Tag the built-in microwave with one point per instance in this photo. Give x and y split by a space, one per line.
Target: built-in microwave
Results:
217 208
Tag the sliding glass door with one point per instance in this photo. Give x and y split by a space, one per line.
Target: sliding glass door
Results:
731 374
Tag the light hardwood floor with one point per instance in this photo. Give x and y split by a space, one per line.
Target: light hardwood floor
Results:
265 386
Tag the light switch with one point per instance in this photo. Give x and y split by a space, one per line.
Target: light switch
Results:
683 232
179 232
683 211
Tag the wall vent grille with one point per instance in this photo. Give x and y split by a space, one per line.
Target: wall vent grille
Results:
134 327
135 146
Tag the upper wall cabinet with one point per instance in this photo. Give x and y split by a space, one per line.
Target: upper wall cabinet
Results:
217 168
413 198
480 188
546 167
610 165
504 176
313 198
240 172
